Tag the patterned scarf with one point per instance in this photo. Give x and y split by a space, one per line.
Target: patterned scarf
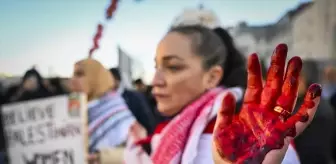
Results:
176 134
109 120
182 134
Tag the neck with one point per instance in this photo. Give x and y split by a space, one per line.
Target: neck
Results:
93 96
181 110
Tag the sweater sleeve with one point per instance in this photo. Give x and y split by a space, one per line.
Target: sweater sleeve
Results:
112 155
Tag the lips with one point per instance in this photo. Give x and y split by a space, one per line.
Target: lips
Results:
160 96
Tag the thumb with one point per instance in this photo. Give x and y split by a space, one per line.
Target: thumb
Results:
226 112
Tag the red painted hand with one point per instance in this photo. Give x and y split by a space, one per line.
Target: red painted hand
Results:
261 132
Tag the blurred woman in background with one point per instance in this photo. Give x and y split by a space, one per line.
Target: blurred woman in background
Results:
32 87
108 115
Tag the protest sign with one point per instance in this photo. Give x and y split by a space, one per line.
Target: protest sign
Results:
47 131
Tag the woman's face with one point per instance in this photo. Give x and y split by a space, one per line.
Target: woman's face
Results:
31 83
180 77
79 81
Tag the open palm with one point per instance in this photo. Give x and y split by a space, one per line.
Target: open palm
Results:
261 132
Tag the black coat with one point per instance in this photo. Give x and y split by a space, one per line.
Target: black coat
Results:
333 100
139 107
315 144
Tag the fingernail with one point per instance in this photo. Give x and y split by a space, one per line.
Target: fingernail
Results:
281 48
229 98
314 91
251 63
296 64
228 103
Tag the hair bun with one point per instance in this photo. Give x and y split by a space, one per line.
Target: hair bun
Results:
201 17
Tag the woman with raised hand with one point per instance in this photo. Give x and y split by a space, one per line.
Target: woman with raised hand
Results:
186 85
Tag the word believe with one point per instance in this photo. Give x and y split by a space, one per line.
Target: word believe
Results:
29 114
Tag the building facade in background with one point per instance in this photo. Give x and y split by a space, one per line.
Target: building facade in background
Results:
263 39
315 31
309 31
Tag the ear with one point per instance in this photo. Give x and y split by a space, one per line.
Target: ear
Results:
212 77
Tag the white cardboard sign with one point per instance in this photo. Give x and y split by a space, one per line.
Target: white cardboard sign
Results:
46 131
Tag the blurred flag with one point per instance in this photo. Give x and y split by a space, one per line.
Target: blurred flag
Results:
125 67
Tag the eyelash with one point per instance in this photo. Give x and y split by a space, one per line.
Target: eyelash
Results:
171 68
79 74
174 68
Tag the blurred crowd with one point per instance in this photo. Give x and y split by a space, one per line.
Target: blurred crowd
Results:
33 86
315 145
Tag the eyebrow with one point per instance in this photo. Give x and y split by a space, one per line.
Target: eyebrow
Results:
170 57
80 71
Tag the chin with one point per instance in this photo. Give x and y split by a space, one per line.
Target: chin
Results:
166 110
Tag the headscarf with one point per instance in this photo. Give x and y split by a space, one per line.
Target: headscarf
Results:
108 115
99 79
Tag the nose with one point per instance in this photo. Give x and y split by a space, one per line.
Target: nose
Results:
72 84
158 79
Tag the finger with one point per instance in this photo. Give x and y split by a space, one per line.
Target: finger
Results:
93 156
225 114
290 86
254 80
274 78
224 118
306 111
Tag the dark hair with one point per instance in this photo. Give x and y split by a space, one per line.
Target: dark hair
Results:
216 48
33 73
115 73
41 92
205 43
138 81
235 64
